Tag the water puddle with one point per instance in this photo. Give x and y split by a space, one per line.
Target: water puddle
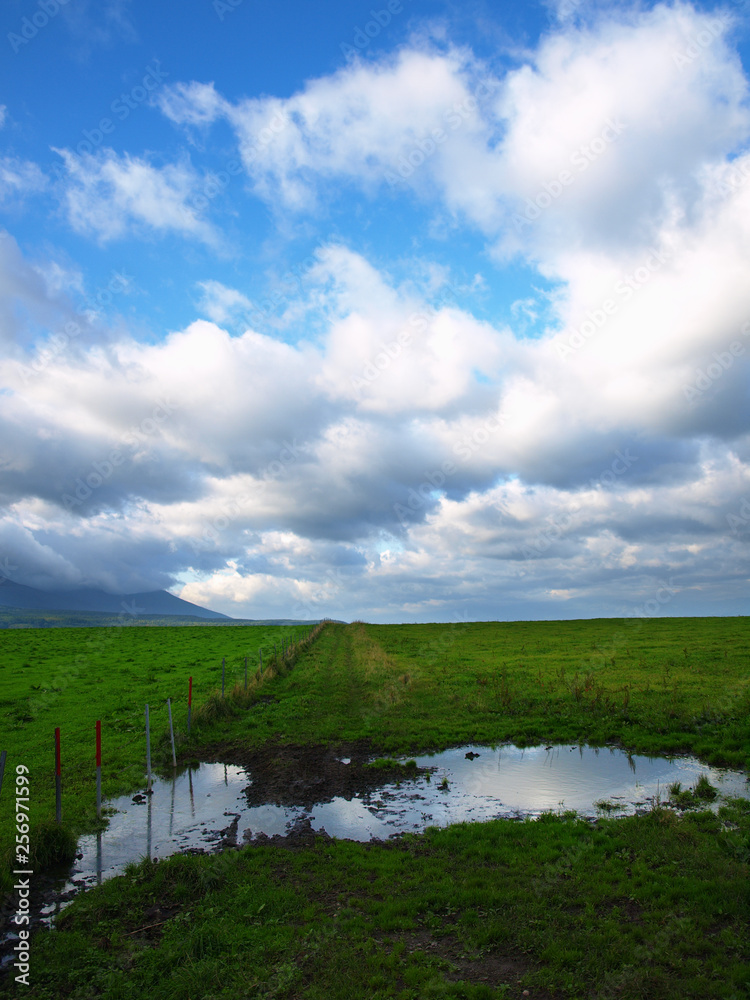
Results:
283 797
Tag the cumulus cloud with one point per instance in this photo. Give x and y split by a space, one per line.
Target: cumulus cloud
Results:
403 455
628 146
106 195
248 460
359 123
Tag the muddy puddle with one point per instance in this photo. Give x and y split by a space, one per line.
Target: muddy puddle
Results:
286 795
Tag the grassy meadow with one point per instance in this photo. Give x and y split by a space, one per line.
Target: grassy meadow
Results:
646 906
73 677
676 685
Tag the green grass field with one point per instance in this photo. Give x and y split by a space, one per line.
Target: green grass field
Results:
665 686
646 906
73 677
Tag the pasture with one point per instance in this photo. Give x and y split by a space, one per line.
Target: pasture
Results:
648 906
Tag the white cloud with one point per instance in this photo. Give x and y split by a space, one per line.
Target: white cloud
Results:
432 457
218 438
584 184
107 195
629 144
191 103
391 352
220 303
359 123
19 178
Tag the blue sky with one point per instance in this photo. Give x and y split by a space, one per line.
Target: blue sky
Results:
408 312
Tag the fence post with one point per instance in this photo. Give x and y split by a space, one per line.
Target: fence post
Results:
3 755
99 769
190 701
171 733
58 778
148 753
222 675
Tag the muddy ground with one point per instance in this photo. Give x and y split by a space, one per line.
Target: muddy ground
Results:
304 775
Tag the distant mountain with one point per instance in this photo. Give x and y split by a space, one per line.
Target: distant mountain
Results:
17 618
155 602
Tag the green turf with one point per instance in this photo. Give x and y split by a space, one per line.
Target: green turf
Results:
666 686
70 678
646 906
653 906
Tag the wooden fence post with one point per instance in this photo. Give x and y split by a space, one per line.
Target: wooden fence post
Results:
99 769
171 733
148 752
58 778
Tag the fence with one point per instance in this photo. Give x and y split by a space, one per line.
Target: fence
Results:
290 650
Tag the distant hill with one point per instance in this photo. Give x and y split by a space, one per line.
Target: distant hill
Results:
155 602
19 618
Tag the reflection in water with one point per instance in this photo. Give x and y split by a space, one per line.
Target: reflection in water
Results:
149 853
193 808
171 811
